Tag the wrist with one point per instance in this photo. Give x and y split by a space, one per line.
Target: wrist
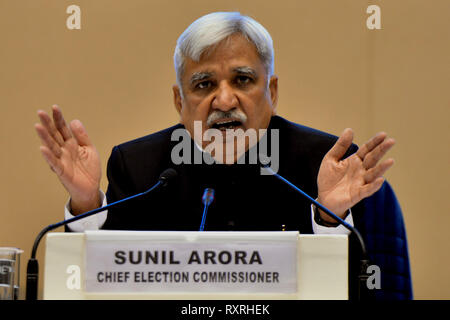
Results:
330 223
84 204
325 218
320 221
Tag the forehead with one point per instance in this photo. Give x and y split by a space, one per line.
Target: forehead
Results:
231 53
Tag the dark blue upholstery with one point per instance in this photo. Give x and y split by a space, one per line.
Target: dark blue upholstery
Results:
385 236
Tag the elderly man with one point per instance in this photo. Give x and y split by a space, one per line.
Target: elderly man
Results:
225 83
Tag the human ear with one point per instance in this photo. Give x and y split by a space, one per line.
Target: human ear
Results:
177 98
273 89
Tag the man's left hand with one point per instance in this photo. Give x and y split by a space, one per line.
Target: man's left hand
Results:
342 183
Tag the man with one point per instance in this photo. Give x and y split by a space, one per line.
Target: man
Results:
225 83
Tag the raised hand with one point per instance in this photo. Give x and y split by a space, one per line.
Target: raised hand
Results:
71 155
342 183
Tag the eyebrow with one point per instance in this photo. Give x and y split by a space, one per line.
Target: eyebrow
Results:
245 71
198 76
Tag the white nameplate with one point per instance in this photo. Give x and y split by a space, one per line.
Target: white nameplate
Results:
159 261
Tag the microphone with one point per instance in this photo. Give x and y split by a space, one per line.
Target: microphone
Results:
207 199
364 261
166 176
33 266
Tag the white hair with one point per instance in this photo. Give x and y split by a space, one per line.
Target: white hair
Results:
212 28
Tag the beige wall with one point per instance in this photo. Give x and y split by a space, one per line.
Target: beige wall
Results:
115 74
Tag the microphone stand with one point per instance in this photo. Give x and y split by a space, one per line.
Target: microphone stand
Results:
364 261
33 265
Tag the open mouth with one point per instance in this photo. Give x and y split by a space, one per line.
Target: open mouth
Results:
227 124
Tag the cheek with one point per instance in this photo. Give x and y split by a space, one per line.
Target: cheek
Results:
257 108
184 114
196 109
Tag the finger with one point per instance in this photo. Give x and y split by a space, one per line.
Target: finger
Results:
369 189
47 140
60 123
371 144
79 132
341 146
51 160
372 158
49 125
378 171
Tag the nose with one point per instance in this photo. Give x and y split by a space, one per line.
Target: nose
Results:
225 98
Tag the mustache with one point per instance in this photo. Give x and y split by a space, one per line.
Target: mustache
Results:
222 115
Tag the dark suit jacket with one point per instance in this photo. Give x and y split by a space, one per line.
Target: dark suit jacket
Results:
248 201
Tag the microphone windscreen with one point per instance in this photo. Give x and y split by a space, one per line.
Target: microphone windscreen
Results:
167 175
208 196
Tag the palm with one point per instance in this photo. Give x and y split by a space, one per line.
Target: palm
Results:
72 156
343 183
340 182
80 166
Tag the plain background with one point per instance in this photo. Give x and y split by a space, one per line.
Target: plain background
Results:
116 73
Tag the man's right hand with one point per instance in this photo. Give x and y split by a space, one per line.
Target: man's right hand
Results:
72 156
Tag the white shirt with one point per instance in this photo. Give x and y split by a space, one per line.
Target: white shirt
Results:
96 221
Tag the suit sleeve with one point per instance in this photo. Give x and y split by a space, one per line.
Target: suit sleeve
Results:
119 187
384 231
